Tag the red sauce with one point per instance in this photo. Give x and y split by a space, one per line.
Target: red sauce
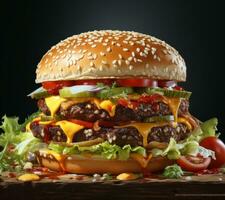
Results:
11 175
208 171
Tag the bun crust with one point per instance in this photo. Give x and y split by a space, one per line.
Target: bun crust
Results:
111 54
84 165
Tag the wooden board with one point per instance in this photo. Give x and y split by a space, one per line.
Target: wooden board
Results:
68 187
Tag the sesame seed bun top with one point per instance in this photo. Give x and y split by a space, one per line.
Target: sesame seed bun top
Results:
111 54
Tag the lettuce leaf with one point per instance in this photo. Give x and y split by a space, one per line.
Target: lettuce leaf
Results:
105 149
190 146
15 144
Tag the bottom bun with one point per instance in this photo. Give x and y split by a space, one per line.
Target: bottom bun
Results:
88 165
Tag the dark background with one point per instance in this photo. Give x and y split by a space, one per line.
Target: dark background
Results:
194 28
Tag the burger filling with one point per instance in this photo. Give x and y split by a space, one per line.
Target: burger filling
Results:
144 120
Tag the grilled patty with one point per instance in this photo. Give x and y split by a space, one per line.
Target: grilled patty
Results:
119 136
89 112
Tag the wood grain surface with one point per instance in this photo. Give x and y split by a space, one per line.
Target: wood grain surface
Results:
66 188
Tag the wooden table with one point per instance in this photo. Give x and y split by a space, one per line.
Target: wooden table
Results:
68 187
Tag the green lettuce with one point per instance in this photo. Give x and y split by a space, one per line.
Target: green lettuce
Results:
173 172
15 144
105 149
190 146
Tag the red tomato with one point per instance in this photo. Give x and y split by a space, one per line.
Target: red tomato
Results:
178 88
166 84
218 147
53 87
94 81
193 163
82 123
149 98
137 82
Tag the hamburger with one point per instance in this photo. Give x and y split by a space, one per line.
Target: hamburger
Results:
110 102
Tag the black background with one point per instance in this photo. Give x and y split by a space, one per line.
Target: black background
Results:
194 28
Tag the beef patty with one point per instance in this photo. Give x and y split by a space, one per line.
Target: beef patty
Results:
89 112
119 136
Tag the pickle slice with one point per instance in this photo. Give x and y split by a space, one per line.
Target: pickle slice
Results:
108 93
39 93
169 93
76 91
159 118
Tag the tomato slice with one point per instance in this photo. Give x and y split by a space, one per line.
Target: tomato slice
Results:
166 83
194 163
137 82
53 87
82 123
95 81
216 145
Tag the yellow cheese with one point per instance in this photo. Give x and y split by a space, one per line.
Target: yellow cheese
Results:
184 121
28 127
69 129
45 122
127 176
109 107
145 128
28 177
174 104
53 103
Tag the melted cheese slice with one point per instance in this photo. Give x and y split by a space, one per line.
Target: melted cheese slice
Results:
69 128
53 103
145 128
174 104
108 106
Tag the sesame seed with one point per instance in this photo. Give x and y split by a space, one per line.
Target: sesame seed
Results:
93 46
127 62
104 44
133 54
119 62
142 54
131 43
131 67
114 62
130 58
102 53
89 54
94 56
125 49
104 62
138 49
92 64
118 44
108 49
139 60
